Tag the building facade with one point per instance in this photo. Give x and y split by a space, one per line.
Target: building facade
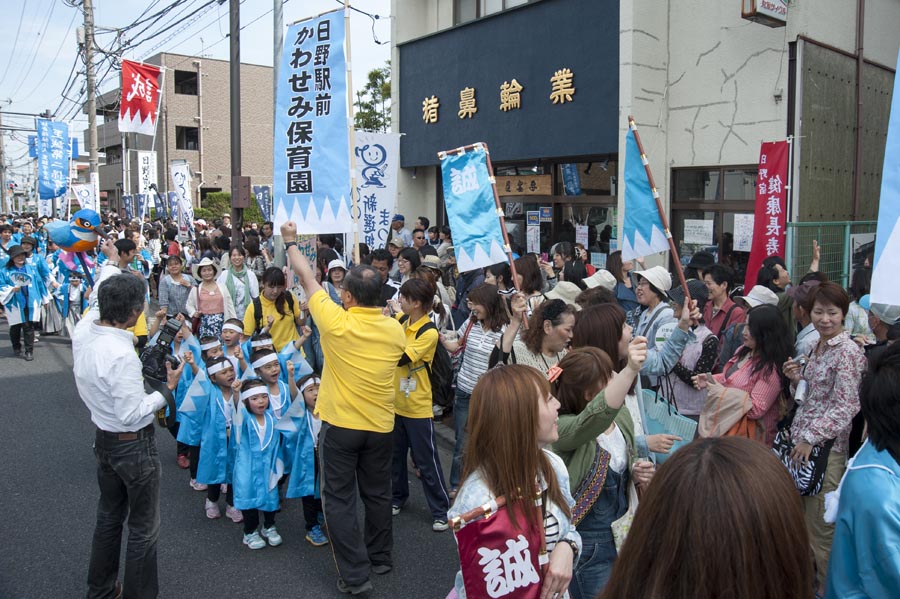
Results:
704 85
194 126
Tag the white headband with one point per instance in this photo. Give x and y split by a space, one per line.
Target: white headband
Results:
210 345
261 342
253 391
219 367
232 327
265 360
309 383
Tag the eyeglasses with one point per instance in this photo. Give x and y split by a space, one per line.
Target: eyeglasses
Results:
402 260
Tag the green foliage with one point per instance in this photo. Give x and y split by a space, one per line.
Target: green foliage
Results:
373 102
217 203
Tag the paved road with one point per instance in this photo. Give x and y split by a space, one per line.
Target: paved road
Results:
49 493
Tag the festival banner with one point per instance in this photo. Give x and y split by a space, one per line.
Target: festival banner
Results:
146 164
53 158
128 204
138 109
885 282
377 159
171 203
312 163
141 202
571 179
472 210
181 178
770 218
642 230
45 207
84 195
263 195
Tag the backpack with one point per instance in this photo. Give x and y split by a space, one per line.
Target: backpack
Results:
258 312
440 371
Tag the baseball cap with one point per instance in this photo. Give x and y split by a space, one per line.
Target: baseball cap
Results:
601 278
760 295
397 242
398 217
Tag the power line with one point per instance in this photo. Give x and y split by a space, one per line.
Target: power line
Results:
33 51
55 57
15 43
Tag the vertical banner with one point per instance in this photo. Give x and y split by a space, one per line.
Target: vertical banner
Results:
377 159
141 201
770 217
171 203
84 195
642 229
128 203
181 178
472 210
146 164
571 179
53 158
312 163
263 195
45 207
885 283
533 239
140 98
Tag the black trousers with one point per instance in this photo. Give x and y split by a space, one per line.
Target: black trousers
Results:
417 435
251 520
357 462
213 492
128 477
22 332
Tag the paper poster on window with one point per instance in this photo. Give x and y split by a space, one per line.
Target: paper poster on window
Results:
698 231
743 232
533 239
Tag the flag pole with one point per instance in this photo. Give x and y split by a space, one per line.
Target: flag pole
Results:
659 208
481 146
354 196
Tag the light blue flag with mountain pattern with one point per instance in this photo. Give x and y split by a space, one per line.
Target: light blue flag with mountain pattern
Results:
642 229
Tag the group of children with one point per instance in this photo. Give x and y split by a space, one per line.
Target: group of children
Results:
245 428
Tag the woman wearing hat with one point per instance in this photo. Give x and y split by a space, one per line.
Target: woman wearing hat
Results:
21 296
209 303
334 277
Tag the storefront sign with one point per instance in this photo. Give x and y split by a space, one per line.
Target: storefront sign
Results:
146 162
546 214
698 231
769 223
535 185
743 232
533 218
772 13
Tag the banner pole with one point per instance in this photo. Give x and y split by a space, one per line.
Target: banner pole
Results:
659 208
354 196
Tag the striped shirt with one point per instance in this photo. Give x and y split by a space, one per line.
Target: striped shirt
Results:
173 296
764 388
476 355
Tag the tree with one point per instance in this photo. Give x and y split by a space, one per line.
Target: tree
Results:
373 102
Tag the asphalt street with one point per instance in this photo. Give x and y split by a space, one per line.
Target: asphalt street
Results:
49 494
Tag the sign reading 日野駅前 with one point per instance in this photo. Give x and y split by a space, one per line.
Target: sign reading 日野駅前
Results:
311 184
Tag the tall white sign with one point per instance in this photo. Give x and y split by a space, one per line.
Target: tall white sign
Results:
377 158
146 164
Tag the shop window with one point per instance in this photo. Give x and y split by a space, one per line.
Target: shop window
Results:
186 83
469 10
187 138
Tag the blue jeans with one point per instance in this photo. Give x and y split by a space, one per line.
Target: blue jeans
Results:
460 418
128 477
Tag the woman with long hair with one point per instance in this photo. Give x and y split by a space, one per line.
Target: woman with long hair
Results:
529 281
744 546
439 312
756 368
513 422
500 275
255 260
475 341
597 443
543 344
567 264
624 289
240 281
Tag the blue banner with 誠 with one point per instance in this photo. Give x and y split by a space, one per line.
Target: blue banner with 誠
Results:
312 164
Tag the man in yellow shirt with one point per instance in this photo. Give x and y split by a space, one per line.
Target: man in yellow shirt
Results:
362 348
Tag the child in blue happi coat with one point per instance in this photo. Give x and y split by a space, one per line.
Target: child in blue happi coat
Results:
300 429
258 464
232 331
264 364
20 294
210 348
209 408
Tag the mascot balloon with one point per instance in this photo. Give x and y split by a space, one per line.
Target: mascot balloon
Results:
81 234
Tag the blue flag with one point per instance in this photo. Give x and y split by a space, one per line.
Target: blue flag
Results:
571 179
642 229
263 195
885 284
312 156
129 207
141 205
53 158
171 202
471 210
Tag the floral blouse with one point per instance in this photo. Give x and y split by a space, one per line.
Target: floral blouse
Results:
833 373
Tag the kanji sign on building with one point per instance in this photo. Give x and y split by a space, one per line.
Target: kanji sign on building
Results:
511 95
770 219
430 108
562 87
467 105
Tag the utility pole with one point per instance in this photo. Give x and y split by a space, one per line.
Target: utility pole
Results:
91 99
3 189
278 38
237 213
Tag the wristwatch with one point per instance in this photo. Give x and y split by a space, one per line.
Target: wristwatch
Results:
289 244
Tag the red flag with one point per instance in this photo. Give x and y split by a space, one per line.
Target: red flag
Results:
770 219
140 98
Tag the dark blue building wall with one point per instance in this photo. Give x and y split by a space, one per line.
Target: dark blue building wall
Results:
528 44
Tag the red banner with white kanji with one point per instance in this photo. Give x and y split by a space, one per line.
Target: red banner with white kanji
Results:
140 98
770 219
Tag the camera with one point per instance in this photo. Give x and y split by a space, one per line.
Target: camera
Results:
153 364
802 386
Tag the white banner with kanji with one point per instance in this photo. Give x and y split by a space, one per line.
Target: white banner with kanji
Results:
377 159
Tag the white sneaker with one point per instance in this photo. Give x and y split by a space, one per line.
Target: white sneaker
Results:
212 510
271 535
254 541
439 526
198 486
233 513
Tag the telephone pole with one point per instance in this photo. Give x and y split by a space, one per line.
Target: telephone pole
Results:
3 189
93 160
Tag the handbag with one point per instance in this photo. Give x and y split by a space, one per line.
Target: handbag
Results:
496 558
807 477
622 526
661 417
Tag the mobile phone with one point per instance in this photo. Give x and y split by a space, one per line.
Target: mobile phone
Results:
545 257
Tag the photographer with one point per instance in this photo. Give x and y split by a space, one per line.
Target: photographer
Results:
108 377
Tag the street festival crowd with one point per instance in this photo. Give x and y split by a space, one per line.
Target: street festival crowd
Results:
776 474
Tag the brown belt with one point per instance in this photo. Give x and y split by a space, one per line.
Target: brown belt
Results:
130 436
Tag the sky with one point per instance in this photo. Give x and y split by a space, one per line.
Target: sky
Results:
39 47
